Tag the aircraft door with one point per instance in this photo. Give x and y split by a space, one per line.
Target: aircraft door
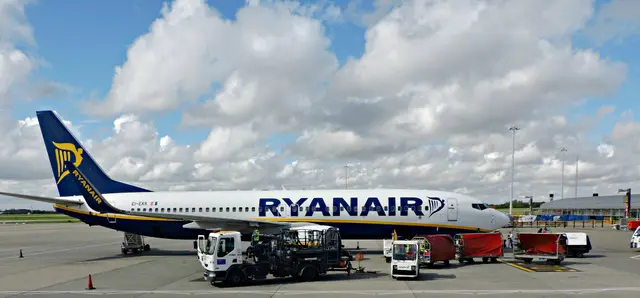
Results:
452 209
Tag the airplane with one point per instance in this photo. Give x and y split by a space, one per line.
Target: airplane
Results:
87 193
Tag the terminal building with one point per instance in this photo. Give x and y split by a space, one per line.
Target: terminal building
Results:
593 207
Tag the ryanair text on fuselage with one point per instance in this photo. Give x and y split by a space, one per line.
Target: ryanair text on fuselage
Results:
395 206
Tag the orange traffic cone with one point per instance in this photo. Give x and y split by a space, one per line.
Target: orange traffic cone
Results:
90 285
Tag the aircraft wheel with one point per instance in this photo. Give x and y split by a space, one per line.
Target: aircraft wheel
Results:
580 254
147 247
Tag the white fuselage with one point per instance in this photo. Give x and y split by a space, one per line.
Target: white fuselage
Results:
351 210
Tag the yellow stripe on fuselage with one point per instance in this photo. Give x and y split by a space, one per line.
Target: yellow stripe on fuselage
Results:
370 222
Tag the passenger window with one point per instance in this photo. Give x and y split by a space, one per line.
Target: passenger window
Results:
200 209
132 209
180 209
138 209
246 209
206 209
234 209
301 208
240 209
213 209
253 209
227 209
260 209
144 209
186 210
161 209
174 210
426 208
156 209
193 209
281 209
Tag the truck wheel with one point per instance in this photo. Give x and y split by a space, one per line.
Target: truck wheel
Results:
528 260
309 273
446 262
235 278
580 254
494 260
387 259
485 260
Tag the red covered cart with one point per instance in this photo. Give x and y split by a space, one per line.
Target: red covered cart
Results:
440 248
487 246
551 247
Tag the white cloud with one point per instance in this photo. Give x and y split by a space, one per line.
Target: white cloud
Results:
428 105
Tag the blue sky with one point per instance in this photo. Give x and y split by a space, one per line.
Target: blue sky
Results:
83 41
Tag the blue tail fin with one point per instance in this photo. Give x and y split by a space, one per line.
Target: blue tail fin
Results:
91 195
62 146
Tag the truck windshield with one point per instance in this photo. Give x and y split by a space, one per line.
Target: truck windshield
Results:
211 245
404 252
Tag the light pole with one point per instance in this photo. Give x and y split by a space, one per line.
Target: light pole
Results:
563 150
577 162
513 165
530 204
346 175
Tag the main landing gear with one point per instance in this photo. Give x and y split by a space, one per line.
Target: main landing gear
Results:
133 243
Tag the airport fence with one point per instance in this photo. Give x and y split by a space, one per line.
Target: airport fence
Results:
582 224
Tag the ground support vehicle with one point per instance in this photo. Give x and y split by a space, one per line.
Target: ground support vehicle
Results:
300 253
487 246
387 249
133 243
635 239
578 244
551 247
405 261
440 248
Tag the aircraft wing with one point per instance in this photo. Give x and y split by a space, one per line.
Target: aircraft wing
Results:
207 222
52 200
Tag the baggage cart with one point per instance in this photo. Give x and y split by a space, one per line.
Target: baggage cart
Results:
578 244
440 248
551 247
635 239
487 246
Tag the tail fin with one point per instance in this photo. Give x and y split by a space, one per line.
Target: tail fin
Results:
91 195
62 146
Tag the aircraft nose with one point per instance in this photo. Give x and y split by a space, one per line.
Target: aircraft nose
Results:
504 219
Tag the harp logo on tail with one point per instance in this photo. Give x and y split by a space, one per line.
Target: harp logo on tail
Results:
66 152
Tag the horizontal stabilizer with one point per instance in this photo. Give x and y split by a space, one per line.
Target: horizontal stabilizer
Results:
62 201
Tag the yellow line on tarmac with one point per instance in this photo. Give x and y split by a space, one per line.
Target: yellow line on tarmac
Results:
516 266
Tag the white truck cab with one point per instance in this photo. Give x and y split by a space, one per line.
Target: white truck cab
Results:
405 260
635 239
219 251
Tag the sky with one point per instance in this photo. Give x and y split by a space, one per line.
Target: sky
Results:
219 95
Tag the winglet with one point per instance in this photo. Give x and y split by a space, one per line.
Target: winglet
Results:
91 195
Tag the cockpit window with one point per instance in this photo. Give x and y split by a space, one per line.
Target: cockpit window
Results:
480 206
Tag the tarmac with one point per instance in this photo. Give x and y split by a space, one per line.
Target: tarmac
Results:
58 259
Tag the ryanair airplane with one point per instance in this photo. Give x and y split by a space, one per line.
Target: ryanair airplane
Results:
90 195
